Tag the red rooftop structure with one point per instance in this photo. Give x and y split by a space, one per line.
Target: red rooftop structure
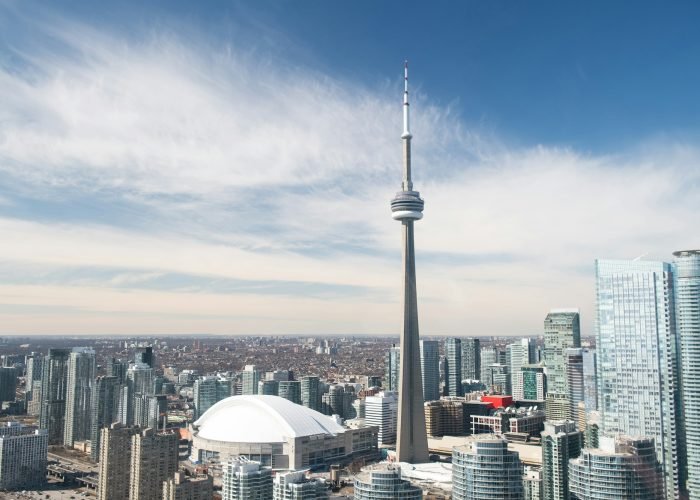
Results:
498 401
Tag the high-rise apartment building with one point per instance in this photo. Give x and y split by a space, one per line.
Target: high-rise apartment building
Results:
519 354
471 359
207 391
151 410
246 480
532 484
453 367
622 468
8 383
381 482
686 268
291 390
116 368
183 487
636 345
430 369
500 379
381 411
560 443
154 459
294 485
249 380
35 362
54 382
115 462
484 469
105 410
81 377
489 356
575 381
310 393
23 456
562 331
144 355
392 368
590 389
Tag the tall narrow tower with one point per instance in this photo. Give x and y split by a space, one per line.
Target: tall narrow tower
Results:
407 207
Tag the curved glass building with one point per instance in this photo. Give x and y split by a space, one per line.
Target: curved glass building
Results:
621 469
383 482
484 469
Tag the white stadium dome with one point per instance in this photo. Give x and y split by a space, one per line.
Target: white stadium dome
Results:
278 433
262 419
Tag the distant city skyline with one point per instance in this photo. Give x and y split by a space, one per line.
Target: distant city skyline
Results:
181 169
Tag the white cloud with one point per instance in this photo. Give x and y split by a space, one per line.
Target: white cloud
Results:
243 169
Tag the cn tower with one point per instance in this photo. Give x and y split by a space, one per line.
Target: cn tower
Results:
407 207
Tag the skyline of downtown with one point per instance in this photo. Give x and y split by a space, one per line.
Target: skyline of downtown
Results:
155 182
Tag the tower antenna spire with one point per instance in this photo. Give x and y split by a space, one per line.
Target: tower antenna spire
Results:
406 136
406 129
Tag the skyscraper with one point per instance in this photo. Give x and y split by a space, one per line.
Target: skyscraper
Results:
54 381
590 389
310 394
562 331
518 354
8 383
249 380
560 443
115 462
530 383
81 376
686 266
622 468
574 378
489 356
407 207
23 456
430 368
33 394
453 367
154 459
207 391
484 469
144 354
392 363
471 359
291 390
381 411
636 346
105 410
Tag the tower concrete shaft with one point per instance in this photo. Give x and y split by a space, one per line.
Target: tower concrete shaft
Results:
407 206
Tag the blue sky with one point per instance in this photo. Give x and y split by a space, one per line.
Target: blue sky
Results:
225 167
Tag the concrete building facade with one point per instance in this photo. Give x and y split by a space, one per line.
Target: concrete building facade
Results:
23 457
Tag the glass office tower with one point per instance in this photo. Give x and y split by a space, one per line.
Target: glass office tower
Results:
638 385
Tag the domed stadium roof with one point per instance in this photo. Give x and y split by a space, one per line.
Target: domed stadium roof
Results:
262 419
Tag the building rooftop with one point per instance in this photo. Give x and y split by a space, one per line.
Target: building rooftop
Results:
262 419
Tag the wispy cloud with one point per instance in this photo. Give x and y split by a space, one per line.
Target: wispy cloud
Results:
144 177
